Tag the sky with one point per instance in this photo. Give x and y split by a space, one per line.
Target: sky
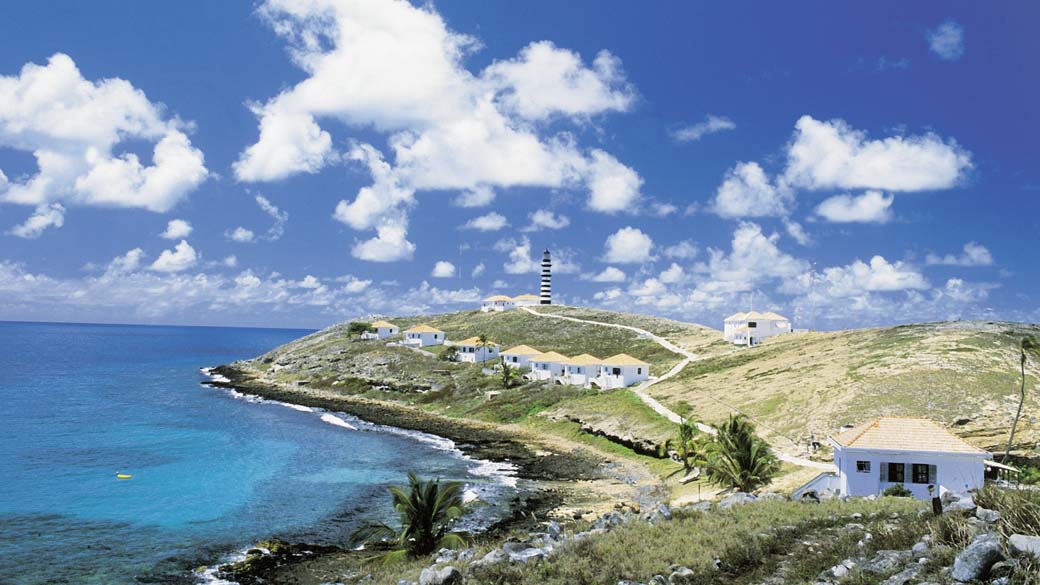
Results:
296 163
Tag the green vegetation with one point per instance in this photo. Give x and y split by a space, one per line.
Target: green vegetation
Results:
426 509
736 457
898 491
358 327
509 375
689 445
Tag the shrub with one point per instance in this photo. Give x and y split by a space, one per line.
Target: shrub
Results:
898 491
1019 509
738 458
358 327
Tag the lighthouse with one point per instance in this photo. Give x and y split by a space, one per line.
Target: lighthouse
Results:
546 296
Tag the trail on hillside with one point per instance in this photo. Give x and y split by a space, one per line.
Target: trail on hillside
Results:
688 357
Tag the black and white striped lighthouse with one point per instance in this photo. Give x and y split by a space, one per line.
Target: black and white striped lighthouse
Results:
546 296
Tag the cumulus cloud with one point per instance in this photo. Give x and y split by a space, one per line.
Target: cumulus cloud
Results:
797 232
520 260
240 235
398 69
128 262
478 270
389 245
628 245
974 254
180 258
490 222
230 261
684 250
545 219
947 40
609 274
870 207
45 216
672 274
754 257
833 155
277 229
74 126
176 229
747 191
443 269
710 125
859 278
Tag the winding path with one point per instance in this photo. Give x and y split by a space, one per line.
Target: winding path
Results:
688 357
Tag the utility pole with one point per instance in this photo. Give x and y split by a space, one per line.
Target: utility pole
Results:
812 293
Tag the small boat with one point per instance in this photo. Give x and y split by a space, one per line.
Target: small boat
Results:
123 476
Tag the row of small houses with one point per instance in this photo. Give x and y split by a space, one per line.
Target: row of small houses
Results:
583 370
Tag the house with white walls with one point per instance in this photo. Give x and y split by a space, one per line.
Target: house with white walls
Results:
581 370
423 336
497 303
547 366
621 370
381 330
752 327
473 351
916 453
526 300
520 356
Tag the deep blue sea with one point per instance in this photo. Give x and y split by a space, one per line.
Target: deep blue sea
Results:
212 473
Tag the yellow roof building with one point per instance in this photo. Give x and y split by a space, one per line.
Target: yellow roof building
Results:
474 341
584 360
550 357
424 328
623 359
522 350
383 324
904 434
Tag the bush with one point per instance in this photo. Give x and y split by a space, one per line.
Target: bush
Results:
898 491
1019 509
358 327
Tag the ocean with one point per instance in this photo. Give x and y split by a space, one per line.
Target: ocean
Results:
213 472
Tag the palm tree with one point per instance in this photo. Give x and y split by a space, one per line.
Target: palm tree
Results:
687 444
509 375
426 509
1028 346
483 343
738 458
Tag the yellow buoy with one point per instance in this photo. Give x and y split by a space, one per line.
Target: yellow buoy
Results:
123 476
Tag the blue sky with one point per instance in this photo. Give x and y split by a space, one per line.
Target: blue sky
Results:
309 161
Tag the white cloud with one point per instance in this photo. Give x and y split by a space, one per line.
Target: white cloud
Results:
684 250
870 207
613 186
241 235
947 40
975 254
397 69
176 229
478 270
662 209
389 245
520 260
277 230
46 215
628 245
180 258
797 231
490 222
672 274
710 125
833 155
353 284
754 258
747 191
499 284
443 269
545 219
879 275
230 261
609 274
126 263
72 126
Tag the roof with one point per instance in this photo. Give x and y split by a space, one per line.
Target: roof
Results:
904 434
523 350
756 315
383 324
774 316
495 298
623 359
736 317
527 298
424 328
473 341
584 360
550 356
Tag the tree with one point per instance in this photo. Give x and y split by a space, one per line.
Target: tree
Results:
509 375
426 510
738 458
450 353
688 445
483 343
1028 346
358 327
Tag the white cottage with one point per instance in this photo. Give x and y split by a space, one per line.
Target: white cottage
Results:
526 300
423 335
547 366
473 351
914 452
752 327
497 303
381 330
520 356
581 370
620 371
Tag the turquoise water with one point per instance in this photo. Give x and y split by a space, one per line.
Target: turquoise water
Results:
212 473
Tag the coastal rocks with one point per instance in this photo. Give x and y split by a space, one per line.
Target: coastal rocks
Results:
446 576
840 570
1021 545
958 502
608 521
681 576
921 550
974 562
265 558
492 558
907 575
737 499
886 561
664 511
987 516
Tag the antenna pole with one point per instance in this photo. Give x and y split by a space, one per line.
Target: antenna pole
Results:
812 293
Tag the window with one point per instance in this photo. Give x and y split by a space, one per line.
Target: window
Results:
752 324
863 467
639 370
924 473
896 472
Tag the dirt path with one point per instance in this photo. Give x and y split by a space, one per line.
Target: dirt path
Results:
641 389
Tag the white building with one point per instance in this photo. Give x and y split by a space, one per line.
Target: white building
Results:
547 366
423 335
526 300
581 370
620 371
473 351
914 452
752 327
497 303
381 330
520 356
